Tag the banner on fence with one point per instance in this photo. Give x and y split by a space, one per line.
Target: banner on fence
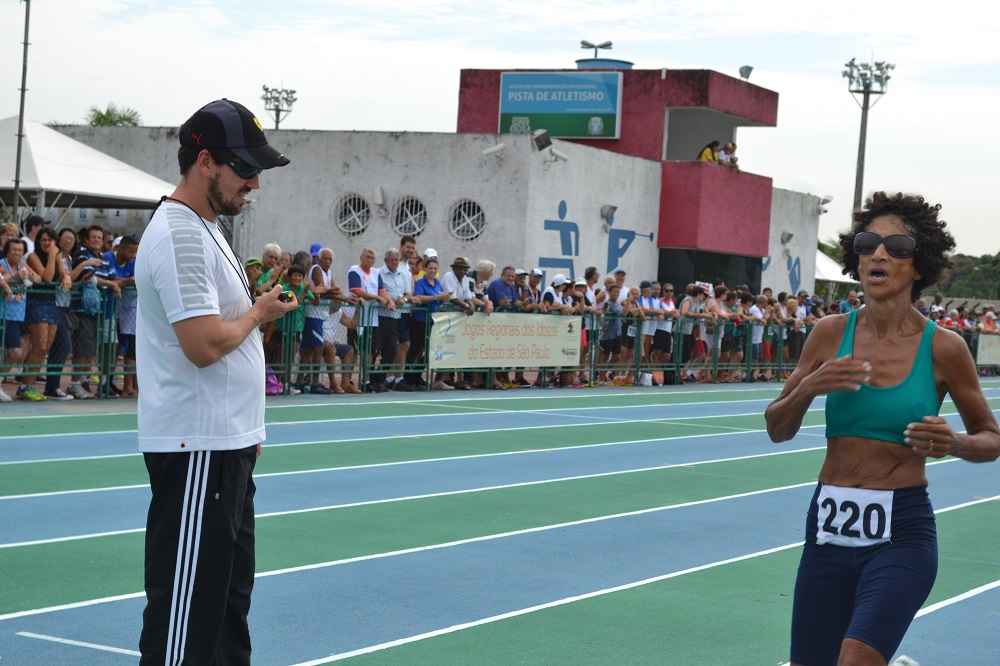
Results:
988 350
503 340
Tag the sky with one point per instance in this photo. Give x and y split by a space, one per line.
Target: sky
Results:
394 65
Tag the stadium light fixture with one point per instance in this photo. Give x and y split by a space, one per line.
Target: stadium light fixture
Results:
584 44
865 79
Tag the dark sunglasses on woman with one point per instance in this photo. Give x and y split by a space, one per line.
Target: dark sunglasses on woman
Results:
899 246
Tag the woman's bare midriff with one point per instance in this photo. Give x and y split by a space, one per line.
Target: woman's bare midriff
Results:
855 462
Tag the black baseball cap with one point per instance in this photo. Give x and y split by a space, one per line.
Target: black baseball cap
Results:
229 127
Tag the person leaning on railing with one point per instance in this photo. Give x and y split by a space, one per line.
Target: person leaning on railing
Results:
428 296
42 316
17 278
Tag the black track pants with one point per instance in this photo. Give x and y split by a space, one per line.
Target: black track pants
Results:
199 558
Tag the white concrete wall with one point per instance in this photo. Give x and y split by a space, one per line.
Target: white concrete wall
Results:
589 180
689 130
518 190
791 266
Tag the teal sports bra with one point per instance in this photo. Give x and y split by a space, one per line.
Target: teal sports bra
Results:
882 413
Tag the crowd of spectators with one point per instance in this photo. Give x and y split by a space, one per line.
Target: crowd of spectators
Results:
58 287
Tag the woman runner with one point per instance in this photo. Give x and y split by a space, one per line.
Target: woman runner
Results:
870 557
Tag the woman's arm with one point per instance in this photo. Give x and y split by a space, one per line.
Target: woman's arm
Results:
817 373
981 442
47 271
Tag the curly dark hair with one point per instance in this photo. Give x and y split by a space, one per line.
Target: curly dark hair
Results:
934 243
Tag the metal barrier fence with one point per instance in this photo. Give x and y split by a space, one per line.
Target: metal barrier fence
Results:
620 350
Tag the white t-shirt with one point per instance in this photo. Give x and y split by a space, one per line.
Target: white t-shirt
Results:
757 330
321 311
667 323
181 273
464 291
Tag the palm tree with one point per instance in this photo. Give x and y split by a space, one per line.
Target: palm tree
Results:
113 116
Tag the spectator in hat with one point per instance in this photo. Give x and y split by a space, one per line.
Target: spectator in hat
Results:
254 268
292 324
554 298
314 250
462 287
531 293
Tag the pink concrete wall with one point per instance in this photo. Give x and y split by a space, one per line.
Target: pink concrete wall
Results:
709 207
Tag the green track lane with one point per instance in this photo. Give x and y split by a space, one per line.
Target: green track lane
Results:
734 615
344 408
110 472
49 574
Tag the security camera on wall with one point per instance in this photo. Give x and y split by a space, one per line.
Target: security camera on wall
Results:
558 155
378 198
494 150
541 139
827 198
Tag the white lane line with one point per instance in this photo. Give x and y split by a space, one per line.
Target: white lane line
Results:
927 610
407 551
540 607
67 641
376 438
582 597
447 493
575 394
386 417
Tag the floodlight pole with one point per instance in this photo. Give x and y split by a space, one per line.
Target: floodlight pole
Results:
20 113
859 175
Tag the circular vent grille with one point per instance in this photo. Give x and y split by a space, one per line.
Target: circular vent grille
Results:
466 220
409 216
352 213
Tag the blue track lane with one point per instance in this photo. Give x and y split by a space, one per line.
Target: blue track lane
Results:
305 615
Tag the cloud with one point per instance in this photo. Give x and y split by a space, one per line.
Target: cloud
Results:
394 65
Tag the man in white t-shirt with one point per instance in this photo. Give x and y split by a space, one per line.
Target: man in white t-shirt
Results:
200 364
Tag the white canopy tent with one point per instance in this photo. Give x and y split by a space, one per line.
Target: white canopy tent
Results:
59 172
829 270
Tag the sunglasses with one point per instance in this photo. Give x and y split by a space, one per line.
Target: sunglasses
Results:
899 246
241 168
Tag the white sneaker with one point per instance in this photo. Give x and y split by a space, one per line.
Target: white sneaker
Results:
903 660
4 397
441 386
58 395
78 392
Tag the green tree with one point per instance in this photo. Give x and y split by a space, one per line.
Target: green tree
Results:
832 249
113 116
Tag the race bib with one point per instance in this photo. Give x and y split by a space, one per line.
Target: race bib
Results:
631 331
853 517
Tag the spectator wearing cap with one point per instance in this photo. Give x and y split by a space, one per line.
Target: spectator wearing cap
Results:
554 298
32 226
314 250
462 287
315 349
531 294
293 324
122 262
395 292
254 268
520 283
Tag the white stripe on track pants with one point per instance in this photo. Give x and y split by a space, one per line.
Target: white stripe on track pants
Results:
199 558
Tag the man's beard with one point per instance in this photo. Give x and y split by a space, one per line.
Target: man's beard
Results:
219 204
